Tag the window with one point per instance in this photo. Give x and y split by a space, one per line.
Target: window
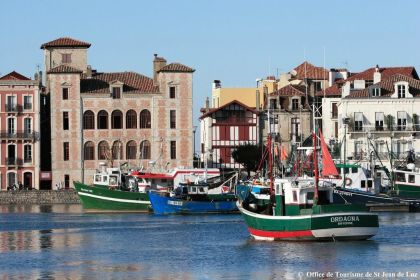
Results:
368 83
295 104
65 120
358 121
354 170
103 150
27 153
401 91
66 58
11 128
117 150
66 181
89 151
172 116
334 110
145 119
131 150
27 126
273 103
172 92
131 119
145 149
103 120
362 184
116 119
411 178
11 103
88 120
65 93
116 92
401 120
27 102
358 150
375 92
173 149
318 85
379 121
66 151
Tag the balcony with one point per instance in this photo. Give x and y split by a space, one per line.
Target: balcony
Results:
382 129
13 108
20 134
14 161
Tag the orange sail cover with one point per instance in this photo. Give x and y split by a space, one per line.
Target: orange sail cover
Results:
328 166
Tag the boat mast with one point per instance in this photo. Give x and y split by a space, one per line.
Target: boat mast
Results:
315 159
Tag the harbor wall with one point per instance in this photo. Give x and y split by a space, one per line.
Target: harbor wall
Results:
39 197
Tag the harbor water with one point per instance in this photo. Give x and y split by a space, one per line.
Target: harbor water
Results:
62 242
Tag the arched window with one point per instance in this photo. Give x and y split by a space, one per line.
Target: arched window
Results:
145 150
103 150
89 151
131 150
117 150
103 120
88 120
145 119
117 119
131 119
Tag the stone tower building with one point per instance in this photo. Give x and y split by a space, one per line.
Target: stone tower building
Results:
115 118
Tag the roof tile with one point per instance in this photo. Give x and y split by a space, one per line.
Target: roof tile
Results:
176 67
133 82
14 76
63 69
310 71
65 42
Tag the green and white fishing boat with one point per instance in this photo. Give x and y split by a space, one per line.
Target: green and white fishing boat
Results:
301 209
113 191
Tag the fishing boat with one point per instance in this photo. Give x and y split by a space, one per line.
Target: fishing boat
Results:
196 198
303 209
115 190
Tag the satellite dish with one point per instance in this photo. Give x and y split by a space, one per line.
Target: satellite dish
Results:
293 72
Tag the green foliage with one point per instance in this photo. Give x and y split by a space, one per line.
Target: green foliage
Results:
249 155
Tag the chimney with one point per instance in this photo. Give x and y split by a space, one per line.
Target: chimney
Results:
376 75
207 103
217 84
89 71
158 63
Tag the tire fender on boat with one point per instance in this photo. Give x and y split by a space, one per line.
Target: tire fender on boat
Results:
348 181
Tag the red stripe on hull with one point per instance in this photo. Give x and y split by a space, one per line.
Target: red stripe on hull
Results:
281 234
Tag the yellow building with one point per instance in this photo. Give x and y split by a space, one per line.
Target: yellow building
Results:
247 96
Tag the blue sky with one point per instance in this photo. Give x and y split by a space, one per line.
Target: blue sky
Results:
234 41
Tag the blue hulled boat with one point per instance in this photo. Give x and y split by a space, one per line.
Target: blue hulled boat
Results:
194 199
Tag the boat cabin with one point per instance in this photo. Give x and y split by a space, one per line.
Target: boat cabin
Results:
109 177
355 177
191 189
298 195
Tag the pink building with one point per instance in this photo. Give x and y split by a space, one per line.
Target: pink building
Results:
115 117
19 131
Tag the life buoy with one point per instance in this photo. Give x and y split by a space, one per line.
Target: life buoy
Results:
348 181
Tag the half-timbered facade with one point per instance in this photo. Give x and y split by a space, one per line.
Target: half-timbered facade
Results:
225 128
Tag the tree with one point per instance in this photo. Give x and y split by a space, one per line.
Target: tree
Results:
249 155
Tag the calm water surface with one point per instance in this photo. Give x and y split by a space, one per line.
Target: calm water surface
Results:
62 242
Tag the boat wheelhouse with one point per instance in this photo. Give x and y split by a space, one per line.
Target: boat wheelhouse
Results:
407 182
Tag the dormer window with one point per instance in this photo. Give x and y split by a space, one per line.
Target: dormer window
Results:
116 88
375 92
401 90
295 104
116 92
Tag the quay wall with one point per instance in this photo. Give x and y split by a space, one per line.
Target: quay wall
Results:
39 197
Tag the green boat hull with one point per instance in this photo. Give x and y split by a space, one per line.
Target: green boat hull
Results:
101 199
408 191
321 226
